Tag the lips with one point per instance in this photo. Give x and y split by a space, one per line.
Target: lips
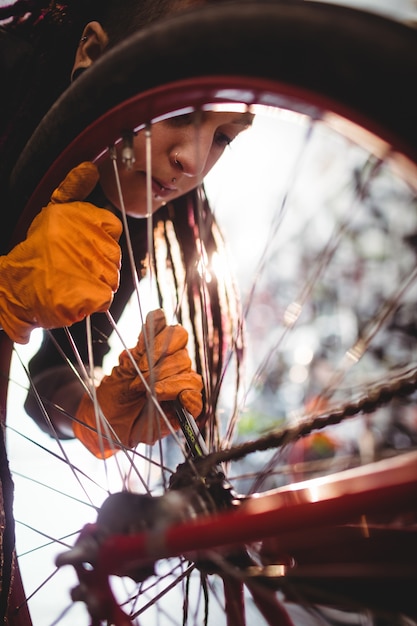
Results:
161 189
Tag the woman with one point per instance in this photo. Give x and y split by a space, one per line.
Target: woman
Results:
38 44
176 172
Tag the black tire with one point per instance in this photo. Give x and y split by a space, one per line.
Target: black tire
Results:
348 61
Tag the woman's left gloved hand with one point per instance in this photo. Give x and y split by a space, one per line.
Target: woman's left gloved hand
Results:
68 265
162 357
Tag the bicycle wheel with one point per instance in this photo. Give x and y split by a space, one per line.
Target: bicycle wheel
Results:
329 297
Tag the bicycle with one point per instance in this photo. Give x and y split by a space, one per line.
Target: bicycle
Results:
240 74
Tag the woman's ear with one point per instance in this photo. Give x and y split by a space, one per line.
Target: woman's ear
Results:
92 44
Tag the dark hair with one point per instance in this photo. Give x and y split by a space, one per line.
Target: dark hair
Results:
57 26
54 28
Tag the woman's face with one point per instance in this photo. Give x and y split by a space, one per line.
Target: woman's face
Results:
183 150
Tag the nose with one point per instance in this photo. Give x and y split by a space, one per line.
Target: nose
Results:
191 155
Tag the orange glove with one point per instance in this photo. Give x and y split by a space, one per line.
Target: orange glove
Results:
164 362
68 265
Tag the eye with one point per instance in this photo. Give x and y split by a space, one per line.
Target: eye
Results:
181 120
222 140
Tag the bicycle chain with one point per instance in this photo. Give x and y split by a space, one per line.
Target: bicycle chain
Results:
403 384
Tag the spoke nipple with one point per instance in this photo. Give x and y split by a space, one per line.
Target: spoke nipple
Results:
128 152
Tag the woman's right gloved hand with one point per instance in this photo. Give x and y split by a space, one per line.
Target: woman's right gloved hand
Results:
68 265
162 357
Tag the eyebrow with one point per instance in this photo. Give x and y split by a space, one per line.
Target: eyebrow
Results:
244 119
